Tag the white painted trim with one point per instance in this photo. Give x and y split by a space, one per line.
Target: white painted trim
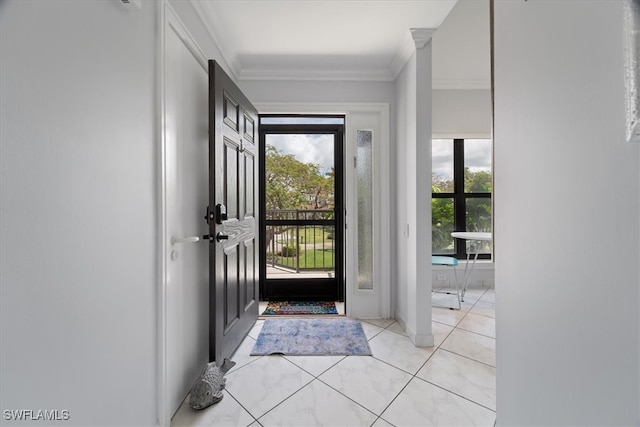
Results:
210 21
320 107
382 251
421 36
425 340
483 275
161 379
277 74
370 75
167 18
369 303
402 56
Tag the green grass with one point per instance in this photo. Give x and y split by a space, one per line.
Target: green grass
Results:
310 259
307 235
314 234
317 259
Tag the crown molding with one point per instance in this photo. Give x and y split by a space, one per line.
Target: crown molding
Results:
416 38
362 74
210 21
421 36
402 55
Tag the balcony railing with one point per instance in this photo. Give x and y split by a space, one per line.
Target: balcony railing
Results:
300 240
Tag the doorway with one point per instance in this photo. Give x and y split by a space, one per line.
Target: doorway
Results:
302 207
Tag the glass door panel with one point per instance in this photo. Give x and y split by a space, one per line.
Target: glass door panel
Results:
299 194
302 211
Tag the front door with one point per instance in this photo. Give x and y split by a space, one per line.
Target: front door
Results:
302 208
232 215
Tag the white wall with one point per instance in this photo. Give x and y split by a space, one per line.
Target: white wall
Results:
267 91
77 211
566 205
461 113
413 203
406 131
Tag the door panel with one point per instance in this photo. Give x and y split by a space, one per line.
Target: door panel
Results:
186 179
233 281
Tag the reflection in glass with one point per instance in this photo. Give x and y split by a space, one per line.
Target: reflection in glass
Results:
478 218
442 225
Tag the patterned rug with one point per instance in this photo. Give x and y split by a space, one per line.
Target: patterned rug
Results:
300 307
312 337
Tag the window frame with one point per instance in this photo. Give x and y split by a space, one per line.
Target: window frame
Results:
460 200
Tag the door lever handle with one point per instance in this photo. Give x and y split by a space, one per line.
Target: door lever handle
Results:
190 239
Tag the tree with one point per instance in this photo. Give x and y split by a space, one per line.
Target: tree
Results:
442 220
291 184
478 209
477 182
478 217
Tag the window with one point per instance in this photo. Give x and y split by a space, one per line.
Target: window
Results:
461 187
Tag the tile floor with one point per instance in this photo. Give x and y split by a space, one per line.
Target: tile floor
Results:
451 384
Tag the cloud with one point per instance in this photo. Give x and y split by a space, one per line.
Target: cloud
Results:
307 148
477 153
442 158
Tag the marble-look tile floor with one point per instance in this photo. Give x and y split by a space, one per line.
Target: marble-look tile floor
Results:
451 384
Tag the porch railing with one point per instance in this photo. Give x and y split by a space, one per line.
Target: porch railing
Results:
301 240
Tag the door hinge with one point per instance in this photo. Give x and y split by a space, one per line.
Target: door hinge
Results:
355 162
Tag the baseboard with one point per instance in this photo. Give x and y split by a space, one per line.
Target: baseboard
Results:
483 275
422 340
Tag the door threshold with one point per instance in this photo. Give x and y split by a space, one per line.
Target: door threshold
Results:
340 308
300 316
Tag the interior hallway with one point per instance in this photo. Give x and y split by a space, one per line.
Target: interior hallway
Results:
451 384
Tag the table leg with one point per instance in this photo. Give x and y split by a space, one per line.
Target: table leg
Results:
467 272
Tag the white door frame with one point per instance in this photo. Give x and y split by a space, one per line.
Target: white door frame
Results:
375 303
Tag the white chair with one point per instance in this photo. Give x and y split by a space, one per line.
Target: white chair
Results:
452 262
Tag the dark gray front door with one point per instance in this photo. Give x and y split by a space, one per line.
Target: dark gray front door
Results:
233 224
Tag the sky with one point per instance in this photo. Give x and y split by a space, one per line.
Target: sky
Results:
477 156
318 149
307 148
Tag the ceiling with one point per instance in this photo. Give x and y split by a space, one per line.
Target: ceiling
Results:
349 39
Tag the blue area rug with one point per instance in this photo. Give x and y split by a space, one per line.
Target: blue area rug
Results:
312 337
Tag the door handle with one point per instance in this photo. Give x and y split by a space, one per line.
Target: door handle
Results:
220 236
190 239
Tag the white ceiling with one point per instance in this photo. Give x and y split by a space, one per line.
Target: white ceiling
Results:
349 39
